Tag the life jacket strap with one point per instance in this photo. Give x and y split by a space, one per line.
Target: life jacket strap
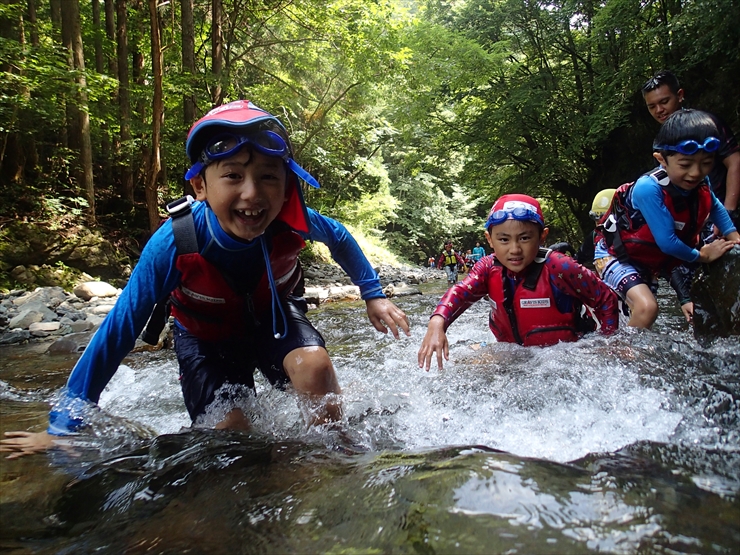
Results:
183 226
186 241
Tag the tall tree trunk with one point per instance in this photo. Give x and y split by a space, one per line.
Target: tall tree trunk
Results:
32 23
72 134
29 139
98 36
152 201
55 7
124 102
111 143
188 59
12 158
140 108
104 154
188 69
217 53
110 32
71 28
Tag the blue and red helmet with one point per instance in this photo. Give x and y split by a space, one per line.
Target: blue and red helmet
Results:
244 123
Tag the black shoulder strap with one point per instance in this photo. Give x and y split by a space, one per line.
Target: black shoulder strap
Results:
533 276
186 242
183 226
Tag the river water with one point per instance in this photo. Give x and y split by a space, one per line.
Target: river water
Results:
626 444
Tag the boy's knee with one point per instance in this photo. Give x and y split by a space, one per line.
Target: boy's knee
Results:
644 308
311 371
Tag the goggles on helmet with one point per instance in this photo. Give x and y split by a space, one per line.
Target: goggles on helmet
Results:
519 213
692 147
595 215
265 142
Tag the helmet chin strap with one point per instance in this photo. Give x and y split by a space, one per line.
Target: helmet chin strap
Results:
303 174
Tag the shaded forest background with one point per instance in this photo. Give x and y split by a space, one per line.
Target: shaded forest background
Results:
414 115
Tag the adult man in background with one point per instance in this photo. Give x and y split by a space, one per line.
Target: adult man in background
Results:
663 96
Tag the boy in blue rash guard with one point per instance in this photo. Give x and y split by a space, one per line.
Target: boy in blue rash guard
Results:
228 264
653 224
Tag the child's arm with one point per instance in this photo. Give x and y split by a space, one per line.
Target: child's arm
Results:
453 303
680 280
113 340
20 444
434 343
647 197
722 221
152 279
347 253
580 282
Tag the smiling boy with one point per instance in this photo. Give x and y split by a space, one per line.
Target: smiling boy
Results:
653 224
536 295
228 265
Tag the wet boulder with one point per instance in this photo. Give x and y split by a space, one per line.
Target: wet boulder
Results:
716 296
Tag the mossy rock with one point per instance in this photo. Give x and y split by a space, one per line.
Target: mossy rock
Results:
52 248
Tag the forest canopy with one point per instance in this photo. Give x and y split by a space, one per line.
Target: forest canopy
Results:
413 115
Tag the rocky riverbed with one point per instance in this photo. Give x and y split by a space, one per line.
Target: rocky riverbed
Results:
68 319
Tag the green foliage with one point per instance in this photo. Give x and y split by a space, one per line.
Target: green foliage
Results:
414 116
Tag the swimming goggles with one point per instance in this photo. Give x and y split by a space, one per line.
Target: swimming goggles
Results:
265 142
518 213
692 147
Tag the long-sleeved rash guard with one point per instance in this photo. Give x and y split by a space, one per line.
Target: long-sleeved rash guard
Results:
156 276
647 197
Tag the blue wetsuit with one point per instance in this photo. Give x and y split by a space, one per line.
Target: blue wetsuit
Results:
156 276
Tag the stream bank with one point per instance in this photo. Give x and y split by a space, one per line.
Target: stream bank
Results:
51 313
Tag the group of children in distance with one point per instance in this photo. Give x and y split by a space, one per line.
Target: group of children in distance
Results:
228 263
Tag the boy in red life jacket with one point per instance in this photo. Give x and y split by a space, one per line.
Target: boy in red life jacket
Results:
536 295
228 263
653 224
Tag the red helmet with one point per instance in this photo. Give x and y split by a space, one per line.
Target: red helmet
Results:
239 118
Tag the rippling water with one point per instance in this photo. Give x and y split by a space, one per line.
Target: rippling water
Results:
623 444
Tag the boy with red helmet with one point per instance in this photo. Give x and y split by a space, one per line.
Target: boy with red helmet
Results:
535 294
228 263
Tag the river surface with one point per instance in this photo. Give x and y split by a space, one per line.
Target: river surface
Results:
626 444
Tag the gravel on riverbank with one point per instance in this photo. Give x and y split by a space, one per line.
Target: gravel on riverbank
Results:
50 313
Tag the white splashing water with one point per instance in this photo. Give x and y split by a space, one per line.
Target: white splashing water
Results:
559 403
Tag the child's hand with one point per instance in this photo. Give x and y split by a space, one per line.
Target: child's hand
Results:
20 444
714 250
435 341
688 311
383 314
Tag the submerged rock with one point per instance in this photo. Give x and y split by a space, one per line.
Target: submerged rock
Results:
716 296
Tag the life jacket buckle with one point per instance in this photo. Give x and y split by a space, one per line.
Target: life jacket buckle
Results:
610 224
177 206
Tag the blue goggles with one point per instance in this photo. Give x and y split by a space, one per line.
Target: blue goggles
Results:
265 142
690 147
519 213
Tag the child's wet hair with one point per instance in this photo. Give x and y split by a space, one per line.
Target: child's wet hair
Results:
684 125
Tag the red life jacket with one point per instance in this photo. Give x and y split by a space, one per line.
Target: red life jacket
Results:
529 315
629 237
210 303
